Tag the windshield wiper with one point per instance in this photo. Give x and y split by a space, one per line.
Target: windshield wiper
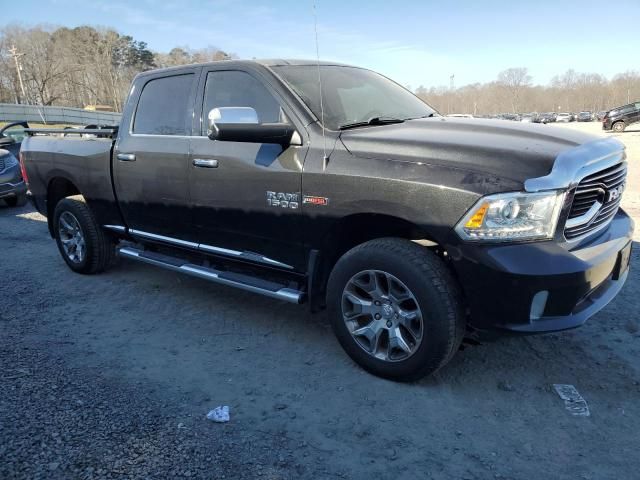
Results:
423 116
371 121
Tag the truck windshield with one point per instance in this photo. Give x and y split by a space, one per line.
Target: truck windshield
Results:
351 95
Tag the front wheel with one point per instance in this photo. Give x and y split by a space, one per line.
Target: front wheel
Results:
618 127
395 309
84 246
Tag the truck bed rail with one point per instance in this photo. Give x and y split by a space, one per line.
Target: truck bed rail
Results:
106 132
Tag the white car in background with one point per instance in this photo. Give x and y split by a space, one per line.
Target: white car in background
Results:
564 117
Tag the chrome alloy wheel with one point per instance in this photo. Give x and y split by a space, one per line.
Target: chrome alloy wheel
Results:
382 315
71 237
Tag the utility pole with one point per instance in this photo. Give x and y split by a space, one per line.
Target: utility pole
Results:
450 93
14 53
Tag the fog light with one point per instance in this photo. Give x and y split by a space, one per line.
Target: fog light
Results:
538 304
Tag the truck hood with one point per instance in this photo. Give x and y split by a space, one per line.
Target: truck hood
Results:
497 148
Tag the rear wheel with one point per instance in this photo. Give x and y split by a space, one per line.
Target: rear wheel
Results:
84 246
618 127
395 308
19 200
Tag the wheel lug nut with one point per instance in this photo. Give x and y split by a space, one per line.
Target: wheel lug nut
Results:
377 316
389 323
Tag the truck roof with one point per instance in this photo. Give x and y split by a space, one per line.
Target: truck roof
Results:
269 62
272 62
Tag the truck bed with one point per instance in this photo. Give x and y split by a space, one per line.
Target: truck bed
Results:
63 156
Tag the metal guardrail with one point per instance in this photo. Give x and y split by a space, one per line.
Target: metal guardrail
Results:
10 112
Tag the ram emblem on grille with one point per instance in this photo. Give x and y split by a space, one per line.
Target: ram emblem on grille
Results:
615 193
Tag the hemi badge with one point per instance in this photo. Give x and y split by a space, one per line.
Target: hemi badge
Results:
315 200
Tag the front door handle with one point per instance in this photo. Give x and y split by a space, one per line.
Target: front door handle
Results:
126 157
205 162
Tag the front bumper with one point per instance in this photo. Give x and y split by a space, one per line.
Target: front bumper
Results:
544 286
12 189
11 183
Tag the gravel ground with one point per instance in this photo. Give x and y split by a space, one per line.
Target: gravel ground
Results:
111 376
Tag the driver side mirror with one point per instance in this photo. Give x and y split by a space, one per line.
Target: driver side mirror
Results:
241 124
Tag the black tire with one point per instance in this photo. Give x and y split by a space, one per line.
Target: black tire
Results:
99 248
618 127
19 200
435 291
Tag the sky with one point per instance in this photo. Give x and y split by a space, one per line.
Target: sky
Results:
417 43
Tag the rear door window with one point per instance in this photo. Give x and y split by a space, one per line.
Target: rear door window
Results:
164 105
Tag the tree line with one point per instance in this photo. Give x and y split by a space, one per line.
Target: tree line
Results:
81 66
84 66
514 92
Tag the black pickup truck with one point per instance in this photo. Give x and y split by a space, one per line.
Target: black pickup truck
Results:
411 229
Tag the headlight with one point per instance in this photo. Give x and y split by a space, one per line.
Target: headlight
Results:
512 216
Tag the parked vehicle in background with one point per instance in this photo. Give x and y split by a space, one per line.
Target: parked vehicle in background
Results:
514 117
548 117
529 118
600 115
585 117
619 118
11 136
460 115
563 117
13 189
219 171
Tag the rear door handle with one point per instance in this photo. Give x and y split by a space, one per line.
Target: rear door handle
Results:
205 162
126 157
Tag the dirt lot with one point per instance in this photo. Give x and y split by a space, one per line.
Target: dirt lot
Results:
112 376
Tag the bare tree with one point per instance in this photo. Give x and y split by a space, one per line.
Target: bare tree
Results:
73 67
571 91
626 87
185 55
515 80
90 66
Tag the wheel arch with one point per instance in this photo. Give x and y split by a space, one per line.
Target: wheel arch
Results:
353 230
59 187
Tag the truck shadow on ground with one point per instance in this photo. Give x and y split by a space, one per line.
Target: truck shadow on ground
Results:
194 345
279 338
181 327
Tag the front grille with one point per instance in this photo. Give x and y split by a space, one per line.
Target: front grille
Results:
595 188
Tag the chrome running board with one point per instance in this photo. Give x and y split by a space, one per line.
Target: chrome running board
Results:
203 247
238 280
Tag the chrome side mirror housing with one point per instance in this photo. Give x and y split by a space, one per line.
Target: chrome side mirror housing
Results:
235 115
241 124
